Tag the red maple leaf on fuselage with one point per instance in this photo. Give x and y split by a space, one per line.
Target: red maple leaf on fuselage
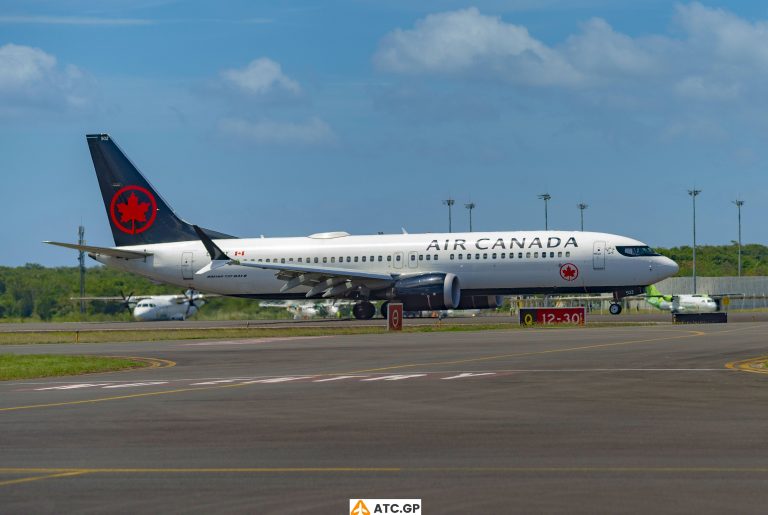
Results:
569 272
133 211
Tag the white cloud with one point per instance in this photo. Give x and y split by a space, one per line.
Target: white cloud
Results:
260 77
313 131
466 40
717 49
30 77
724 35
600 51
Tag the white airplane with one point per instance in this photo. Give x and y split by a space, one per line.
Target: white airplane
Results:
684 303
306 309
423 271
151 308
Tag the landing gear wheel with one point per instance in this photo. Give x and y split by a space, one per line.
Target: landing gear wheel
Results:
363 310
615 309
384 310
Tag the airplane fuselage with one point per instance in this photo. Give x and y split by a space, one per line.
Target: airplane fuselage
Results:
489 263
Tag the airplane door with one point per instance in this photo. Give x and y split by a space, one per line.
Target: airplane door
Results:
413 259
598 255
398 257
186 266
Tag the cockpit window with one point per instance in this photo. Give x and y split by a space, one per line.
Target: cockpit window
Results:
636 251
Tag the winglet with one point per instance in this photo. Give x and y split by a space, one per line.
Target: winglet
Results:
218 257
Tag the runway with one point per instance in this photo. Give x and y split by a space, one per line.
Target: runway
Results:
613 419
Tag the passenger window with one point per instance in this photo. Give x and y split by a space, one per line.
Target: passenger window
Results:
372 259
469 256
413 257
485 256
389 258
397 258
551 254
493 255
428 256
421 257
520 255
535 254
568 254
355 259
452 256
559 254
282 260
333 259
379 259
544 254
477 256
363 259
348 259
268 261
260 260
435 257
309 260
316 260
527 254
503 255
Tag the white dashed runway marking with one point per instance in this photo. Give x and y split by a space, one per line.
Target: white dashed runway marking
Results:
372 377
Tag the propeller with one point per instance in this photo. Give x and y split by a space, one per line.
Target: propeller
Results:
127 300
190 297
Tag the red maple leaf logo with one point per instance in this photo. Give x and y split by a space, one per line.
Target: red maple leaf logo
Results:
133 210
140 210
569 272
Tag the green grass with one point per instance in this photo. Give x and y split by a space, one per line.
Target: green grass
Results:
144 335
14 366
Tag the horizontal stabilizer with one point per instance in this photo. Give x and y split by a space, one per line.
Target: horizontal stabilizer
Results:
104 251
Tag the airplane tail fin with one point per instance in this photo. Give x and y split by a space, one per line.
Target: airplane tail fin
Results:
137 213
652 291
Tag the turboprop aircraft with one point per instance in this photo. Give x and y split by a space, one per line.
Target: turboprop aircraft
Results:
303 309
151 308
684 303
423 271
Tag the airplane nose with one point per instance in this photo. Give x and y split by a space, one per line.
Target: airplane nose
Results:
669 266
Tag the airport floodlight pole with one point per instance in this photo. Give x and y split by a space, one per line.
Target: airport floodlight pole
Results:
470 206
739 203
449 202
582 206
694 193
81 261
545 197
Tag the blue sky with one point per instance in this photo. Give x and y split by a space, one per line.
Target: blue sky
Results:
289 118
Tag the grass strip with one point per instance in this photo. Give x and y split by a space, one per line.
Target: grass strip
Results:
19 366
144 335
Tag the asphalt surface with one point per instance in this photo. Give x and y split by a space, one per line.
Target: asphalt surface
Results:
590 420
651 317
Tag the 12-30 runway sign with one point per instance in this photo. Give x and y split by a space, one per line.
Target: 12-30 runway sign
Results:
548 316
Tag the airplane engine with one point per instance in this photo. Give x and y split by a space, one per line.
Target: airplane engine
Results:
480 302
428 291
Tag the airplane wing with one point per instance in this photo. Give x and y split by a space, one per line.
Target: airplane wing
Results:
328 281
133 298
106 251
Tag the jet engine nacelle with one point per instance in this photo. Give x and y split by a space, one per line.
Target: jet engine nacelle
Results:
480 302
428 291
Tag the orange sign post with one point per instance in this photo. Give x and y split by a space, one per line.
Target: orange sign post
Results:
394 316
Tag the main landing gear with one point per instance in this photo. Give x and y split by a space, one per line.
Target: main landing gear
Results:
363 310
615 309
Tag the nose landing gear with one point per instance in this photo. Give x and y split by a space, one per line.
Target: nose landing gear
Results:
363 310
615 309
